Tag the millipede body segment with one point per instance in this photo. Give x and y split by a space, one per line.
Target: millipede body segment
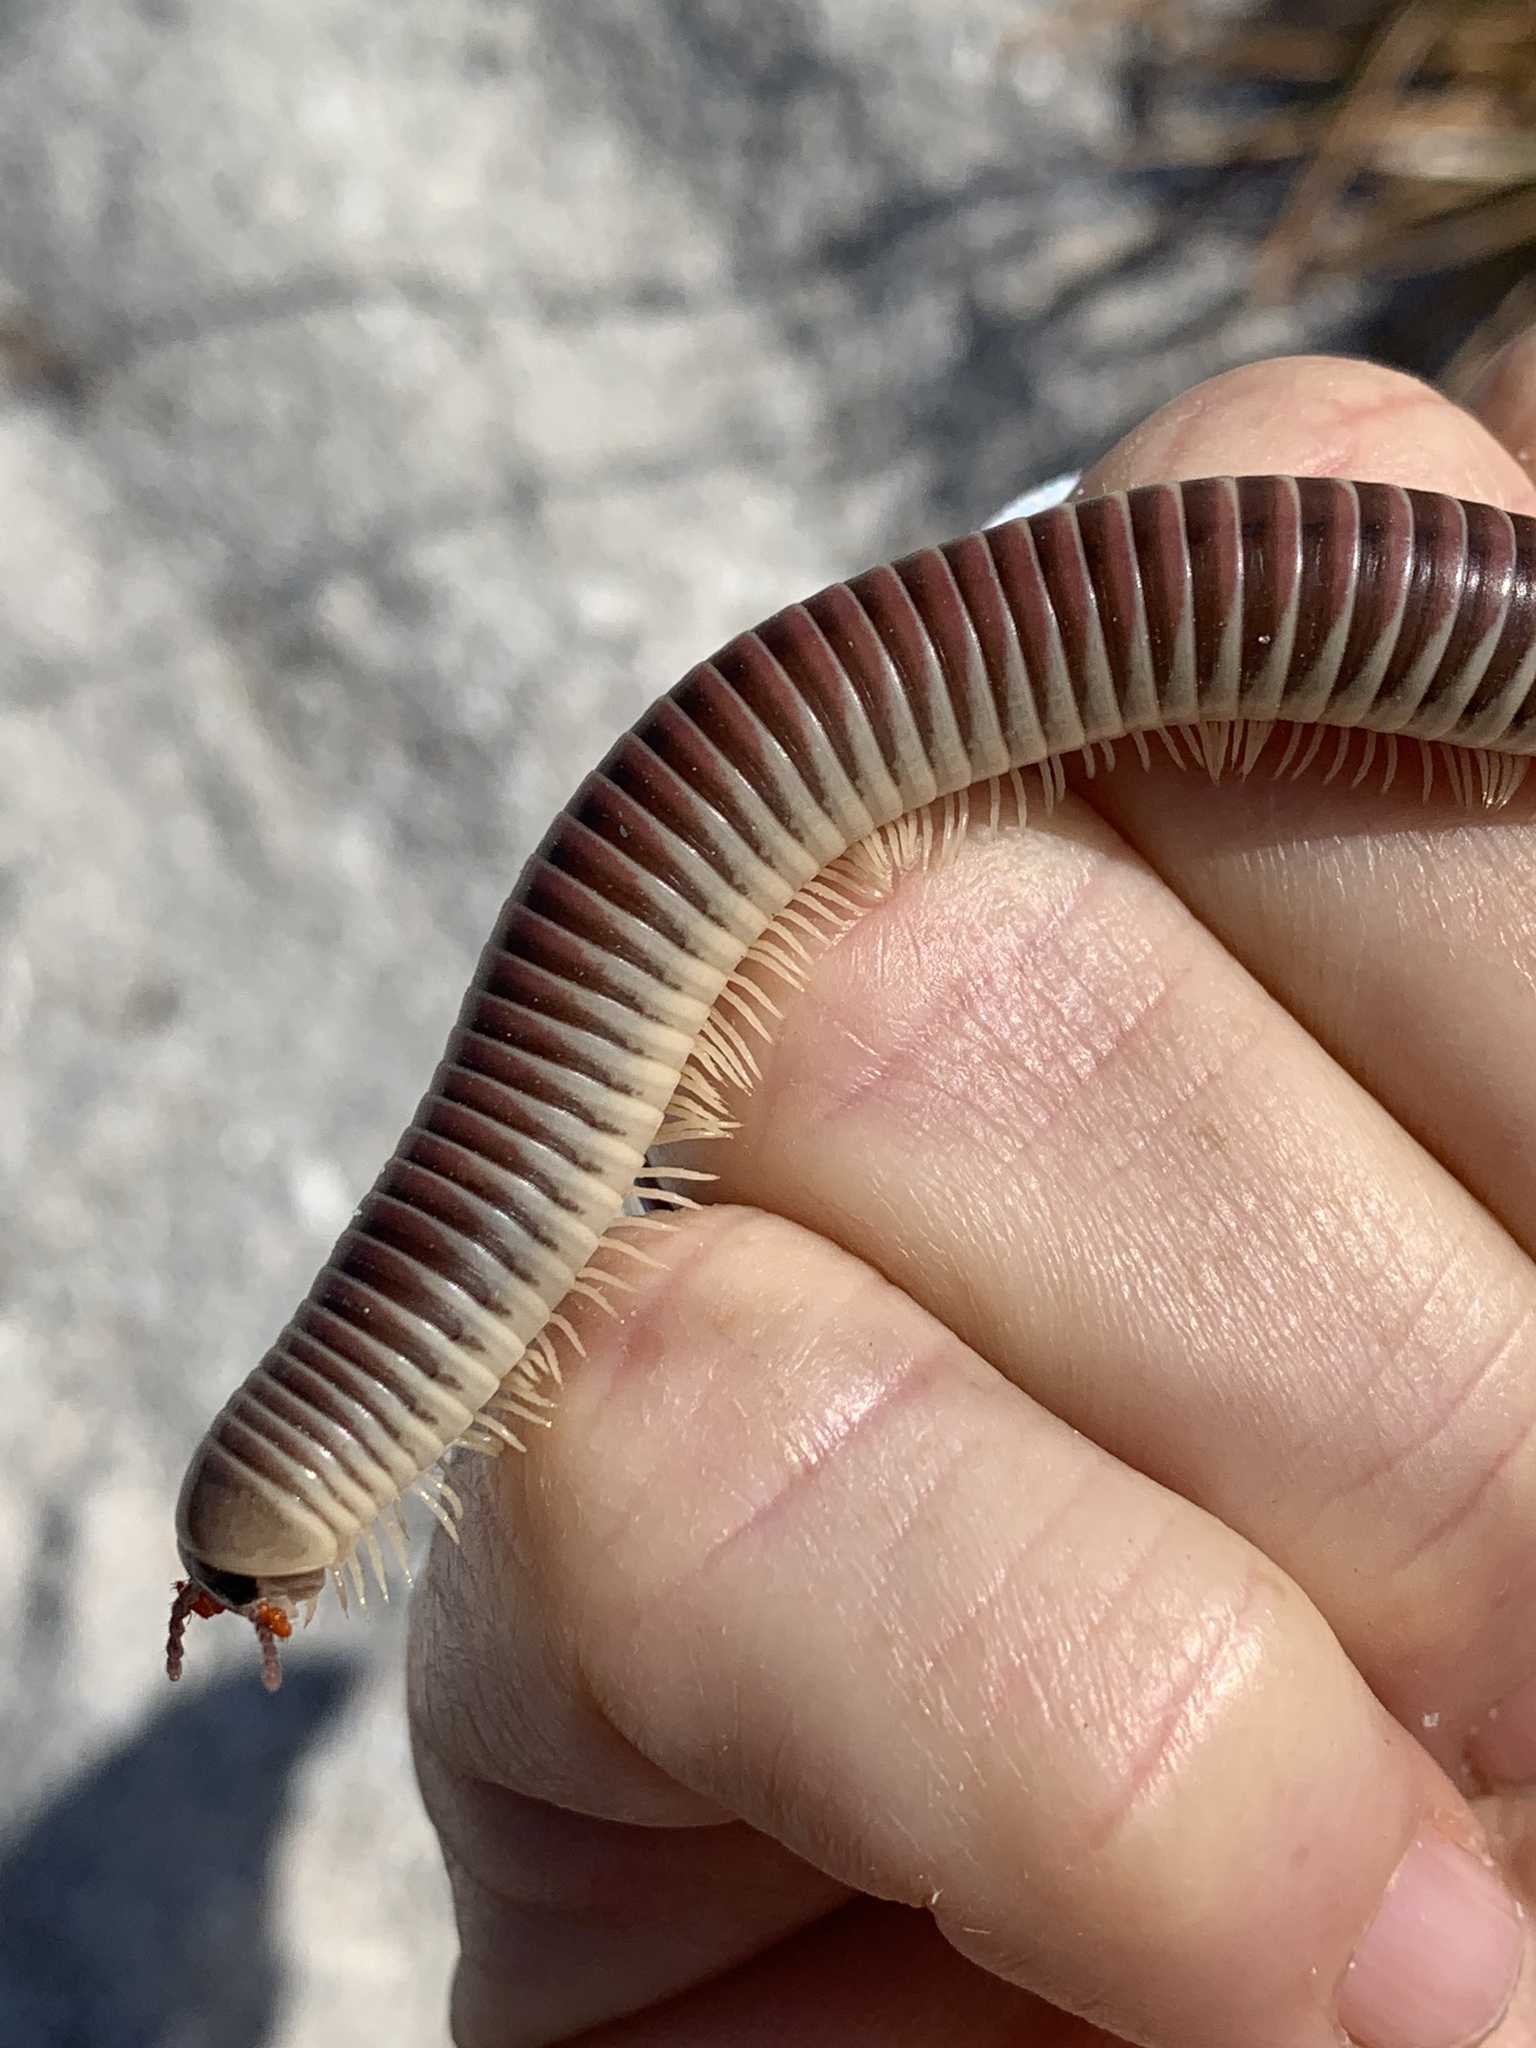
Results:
609 998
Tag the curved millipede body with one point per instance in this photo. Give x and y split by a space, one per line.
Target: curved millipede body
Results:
1216 609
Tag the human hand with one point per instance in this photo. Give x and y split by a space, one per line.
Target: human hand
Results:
1059 1546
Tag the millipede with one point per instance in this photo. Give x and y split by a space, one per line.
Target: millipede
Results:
747 818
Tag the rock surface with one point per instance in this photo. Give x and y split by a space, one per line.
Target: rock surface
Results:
397 398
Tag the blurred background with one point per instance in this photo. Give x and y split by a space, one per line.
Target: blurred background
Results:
394 396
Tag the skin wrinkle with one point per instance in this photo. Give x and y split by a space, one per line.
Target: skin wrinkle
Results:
952 1702
825 1835
1183 1090
482 1713
804 1461
1015 1652
1306 925
1208 1675
639 1349
1355 1323
1307 1242
1251 1248
1385 1369
944 1479
966 1021
566 1863
1099 1032
802 1474
1018 1567
492 1734
636 1345
1174 1713
1214 1667
995 1046
1311 1448
1460 1513
1135 1268
1072 998
1379 1396
915 1026
1008 1571
1414 899
916 1054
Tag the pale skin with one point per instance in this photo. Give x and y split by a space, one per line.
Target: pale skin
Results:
1051 1545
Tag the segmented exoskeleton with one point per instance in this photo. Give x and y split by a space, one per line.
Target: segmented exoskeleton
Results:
610 1006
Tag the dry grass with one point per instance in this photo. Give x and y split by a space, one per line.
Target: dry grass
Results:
1412 127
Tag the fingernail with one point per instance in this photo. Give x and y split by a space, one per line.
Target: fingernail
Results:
1437 1966
1502 1746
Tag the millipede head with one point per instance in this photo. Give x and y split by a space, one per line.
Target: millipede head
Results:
268 1608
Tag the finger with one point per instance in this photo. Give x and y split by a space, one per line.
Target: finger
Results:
1504 399
566 1920
1316 416
1041 1098
873 1976
823 1567
1399 932
587 1882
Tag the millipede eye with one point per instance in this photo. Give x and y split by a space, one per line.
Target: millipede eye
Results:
234 1589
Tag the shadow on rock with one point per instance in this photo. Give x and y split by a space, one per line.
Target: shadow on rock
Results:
134 1911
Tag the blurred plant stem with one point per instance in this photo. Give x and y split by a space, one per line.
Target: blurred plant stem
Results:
1412 126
